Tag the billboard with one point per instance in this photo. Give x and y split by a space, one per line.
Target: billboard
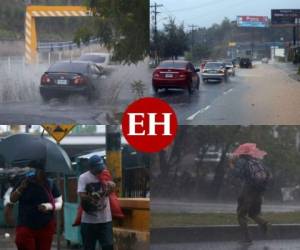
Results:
253 21
285 16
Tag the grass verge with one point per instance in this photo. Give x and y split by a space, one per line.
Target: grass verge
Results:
159 220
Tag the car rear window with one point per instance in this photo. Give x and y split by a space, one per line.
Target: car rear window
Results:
175 65
213 65
93 58
69 67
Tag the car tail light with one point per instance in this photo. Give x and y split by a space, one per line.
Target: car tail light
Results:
78 80
45 79
182 75
156 74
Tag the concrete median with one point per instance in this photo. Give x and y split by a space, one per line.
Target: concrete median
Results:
220 233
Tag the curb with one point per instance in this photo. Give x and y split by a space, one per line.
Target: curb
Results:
131 239
221 233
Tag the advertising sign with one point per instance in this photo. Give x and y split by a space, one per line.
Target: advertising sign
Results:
253 21
285 16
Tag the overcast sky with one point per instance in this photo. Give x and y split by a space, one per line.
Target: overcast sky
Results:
207 12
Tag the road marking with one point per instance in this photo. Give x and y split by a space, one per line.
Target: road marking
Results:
228 91
192 117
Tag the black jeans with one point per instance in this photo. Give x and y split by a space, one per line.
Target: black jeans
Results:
249 205
102 232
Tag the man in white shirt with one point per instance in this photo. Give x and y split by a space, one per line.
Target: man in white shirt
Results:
96 221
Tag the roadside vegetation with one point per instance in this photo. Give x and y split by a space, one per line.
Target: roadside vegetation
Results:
159 220
175 39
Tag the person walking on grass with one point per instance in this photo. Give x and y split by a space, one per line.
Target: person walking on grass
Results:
246 164
96 221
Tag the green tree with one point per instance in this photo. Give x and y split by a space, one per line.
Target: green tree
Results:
123 26
172 41
201 51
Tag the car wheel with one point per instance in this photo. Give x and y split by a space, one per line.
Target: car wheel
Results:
91 93
46 98
190 88
155 89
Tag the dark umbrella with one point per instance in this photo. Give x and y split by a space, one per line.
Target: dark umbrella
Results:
22 149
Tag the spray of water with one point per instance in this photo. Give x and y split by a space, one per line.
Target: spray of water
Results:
20 82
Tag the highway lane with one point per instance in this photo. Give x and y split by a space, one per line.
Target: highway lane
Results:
264 95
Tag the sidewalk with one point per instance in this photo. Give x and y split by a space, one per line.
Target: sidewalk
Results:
290 68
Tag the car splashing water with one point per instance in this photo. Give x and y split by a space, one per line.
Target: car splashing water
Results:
19 83
116 88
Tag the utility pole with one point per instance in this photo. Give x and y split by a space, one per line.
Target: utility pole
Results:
113 154
193 27
155 12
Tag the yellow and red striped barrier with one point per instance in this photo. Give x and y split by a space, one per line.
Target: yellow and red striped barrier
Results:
33 12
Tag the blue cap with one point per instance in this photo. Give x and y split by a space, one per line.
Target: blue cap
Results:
96 162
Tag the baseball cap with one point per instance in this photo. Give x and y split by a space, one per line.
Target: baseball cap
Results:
96 162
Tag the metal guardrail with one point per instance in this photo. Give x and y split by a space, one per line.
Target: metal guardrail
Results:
57 46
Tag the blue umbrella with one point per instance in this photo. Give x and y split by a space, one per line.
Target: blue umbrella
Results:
23 149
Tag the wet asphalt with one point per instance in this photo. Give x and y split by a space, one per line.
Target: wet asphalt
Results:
264 95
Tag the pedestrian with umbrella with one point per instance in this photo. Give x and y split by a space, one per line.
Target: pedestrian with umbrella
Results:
246 164
37 195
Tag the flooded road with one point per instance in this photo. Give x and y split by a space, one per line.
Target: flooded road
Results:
264 95
21 102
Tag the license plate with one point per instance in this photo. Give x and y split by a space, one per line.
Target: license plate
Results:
169 75
62 82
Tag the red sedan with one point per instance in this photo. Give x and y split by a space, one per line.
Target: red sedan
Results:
176 74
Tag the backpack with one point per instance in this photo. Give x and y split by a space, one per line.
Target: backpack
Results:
258 174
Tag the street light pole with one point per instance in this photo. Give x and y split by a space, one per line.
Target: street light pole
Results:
192 33
113 154
155 6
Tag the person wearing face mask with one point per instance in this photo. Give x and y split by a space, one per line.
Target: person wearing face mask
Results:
38 199
96 221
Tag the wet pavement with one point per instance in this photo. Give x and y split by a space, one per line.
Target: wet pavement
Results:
20 101
264 95
257 245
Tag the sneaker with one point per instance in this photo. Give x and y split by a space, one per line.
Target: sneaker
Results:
265 228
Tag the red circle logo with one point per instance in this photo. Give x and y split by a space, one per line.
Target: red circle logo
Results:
149 124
